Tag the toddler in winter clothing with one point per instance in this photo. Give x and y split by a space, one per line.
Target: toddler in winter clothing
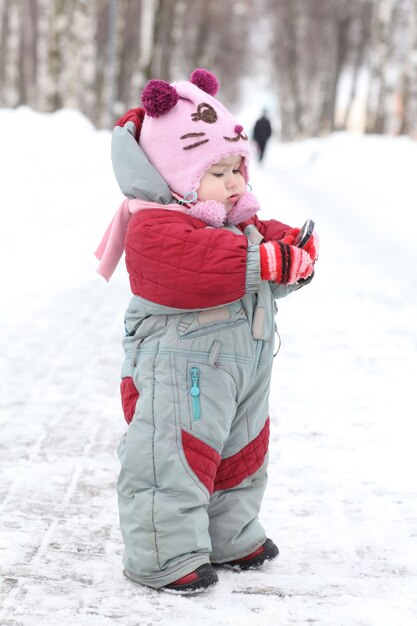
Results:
205 273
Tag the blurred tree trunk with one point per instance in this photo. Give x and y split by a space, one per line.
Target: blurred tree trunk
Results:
146 36
77 69
102 21
28 51
11 29
4 29
336 58
163 37
129 53
226 49
59 19
88 58
196 32
381 52
408 122
360 43
287 66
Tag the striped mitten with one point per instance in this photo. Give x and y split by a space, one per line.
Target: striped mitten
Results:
284 264
312 245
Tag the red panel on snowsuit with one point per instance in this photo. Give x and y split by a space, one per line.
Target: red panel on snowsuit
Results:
175 260
244 463
130 396
202 459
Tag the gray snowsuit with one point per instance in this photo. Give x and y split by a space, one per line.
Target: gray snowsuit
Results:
195 387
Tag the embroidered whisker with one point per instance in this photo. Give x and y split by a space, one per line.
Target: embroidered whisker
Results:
192 135
194 145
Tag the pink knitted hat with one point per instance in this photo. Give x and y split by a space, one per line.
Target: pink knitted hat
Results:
185 130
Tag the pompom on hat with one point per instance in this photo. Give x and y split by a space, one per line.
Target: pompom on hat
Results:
185 130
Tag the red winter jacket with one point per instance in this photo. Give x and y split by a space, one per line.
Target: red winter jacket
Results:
175 260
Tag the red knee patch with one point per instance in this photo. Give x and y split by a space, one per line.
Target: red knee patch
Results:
202 459
130 396
244 463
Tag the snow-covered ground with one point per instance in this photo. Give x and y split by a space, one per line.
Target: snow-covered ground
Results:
342 495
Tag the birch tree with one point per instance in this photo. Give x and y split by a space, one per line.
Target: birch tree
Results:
129 53
381 50
287 67
28 51
79 56
58 26
408 102
4 30
10 52
339 23
360 36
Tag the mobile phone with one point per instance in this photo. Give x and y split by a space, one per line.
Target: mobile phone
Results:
304 234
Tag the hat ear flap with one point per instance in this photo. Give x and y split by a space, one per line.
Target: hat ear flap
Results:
205 80
159 97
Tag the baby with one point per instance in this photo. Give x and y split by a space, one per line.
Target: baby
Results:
204 271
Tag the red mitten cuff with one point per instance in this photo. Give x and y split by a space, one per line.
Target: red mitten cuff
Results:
133 115
284 264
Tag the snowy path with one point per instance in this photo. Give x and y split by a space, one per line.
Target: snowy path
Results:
341 500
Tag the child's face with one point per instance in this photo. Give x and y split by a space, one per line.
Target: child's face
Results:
223 182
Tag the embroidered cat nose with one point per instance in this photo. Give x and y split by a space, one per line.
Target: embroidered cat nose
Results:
238 129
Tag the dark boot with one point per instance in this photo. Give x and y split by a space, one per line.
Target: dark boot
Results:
266 552
202 578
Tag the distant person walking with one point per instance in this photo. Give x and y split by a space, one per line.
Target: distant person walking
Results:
261 133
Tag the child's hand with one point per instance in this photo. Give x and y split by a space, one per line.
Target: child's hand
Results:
312 245
283 263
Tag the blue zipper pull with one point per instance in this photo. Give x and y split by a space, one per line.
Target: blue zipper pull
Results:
195 392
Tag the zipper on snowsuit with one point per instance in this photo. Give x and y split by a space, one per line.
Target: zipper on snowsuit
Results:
195 393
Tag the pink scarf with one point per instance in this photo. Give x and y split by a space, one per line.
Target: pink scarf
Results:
112 245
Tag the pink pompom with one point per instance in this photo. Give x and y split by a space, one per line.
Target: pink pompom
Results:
159 97
245 208
209 211
205 80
